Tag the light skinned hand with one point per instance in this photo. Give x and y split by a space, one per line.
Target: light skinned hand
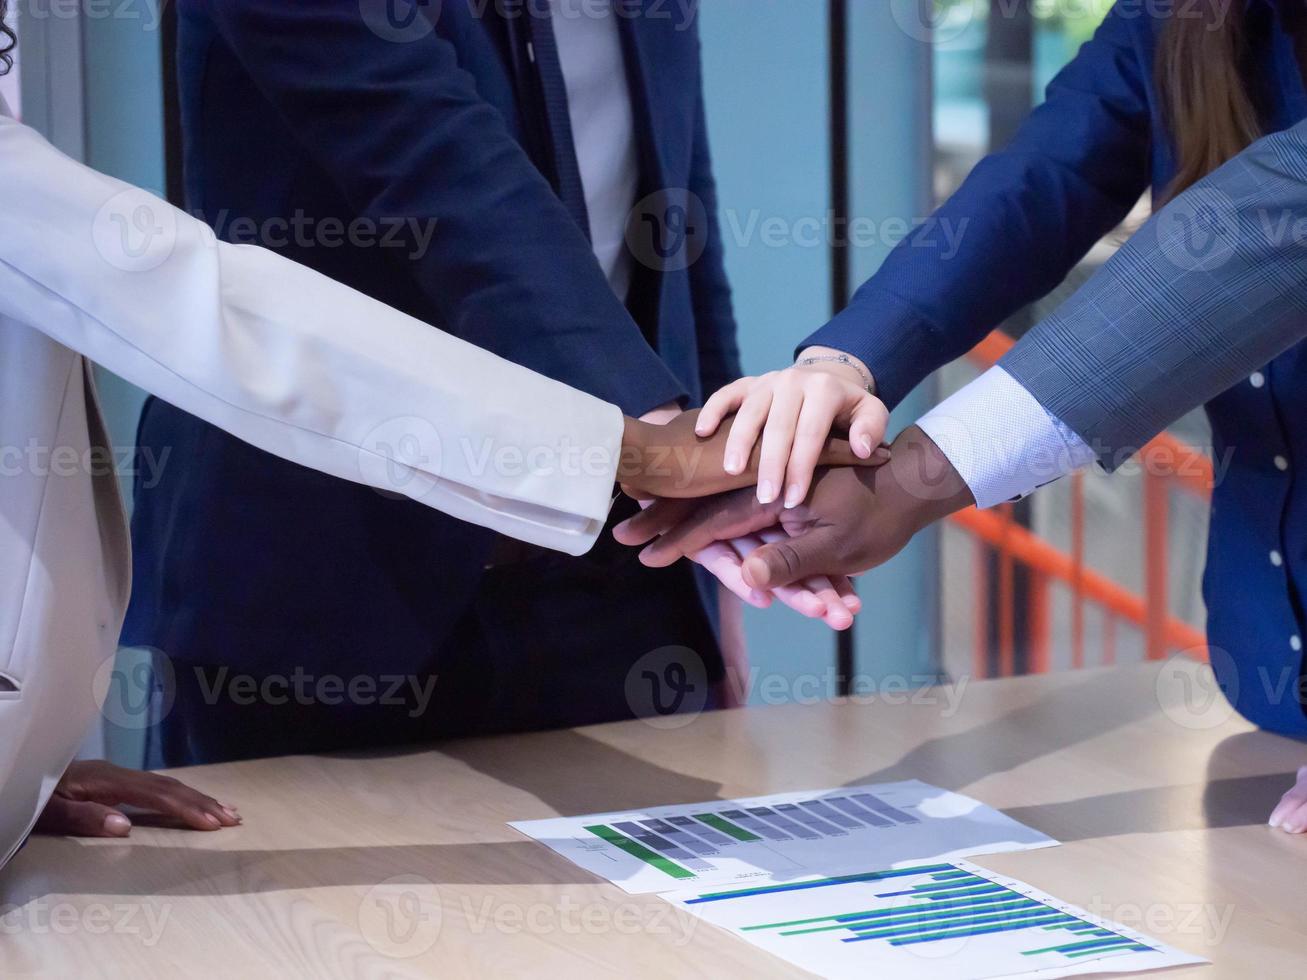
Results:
1291 815
794 411
86 801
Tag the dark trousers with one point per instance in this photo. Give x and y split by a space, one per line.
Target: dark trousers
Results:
549 642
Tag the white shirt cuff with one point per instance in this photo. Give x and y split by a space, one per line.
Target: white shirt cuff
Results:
1002 442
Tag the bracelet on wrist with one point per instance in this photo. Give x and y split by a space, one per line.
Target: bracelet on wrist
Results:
867 381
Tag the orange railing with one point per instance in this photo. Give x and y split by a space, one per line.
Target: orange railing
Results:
1017 545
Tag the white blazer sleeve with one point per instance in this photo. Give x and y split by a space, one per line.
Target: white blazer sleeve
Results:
295 363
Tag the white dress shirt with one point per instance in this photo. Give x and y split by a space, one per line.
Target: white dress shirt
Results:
1002 442
603 127
280 356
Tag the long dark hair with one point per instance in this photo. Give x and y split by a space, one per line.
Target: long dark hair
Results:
1199 68
7 41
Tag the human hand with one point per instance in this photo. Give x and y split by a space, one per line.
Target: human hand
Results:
830 599
85 802
1291 815
854 519
795 411
674 461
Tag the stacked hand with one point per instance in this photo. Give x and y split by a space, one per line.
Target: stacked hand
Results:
672 461
854 519
780 434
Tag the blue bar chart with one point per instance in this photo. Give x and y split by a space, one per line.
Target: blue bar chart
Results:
939 920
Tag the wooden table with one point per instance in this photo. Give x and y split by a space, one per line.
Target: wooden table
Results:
402 866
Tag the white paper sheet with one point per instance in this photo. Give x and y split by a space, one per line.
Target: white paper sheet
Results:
940 921
781 837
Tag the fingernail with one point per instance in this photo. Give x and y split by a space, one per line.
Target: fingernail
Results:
701 430
793 497
865 445
766 492
734 465
883 452
116 825
210 818
231 811
758 598
1294 828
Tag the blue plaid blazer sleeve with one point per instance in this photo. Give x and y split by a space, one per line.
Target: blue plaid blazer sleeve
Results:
1208 291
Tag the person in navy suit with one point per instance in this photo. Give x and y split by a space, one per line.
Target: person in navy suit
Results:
531 177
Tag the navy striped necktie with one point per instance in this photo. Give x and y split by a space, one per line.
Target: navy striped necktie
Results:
553 93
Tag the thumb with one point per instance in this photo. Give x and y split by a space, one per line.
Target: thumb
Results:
786 562
77 818
867 424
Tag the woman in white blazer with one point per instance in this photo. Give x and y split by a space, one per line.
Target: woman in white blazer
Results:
288 360
274 353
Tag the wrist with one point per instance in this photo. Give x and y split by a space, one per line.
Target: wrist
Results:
635 444
924 479
838 362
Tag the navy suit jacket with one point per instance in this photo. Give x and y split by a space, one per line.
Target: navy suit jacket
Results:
405 168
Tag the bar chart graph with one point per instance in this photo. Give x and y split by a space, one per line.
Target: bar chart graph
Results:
939 920
782 836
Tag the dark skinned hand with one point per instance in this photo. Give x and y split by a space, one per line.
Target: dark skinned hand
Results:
86 801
